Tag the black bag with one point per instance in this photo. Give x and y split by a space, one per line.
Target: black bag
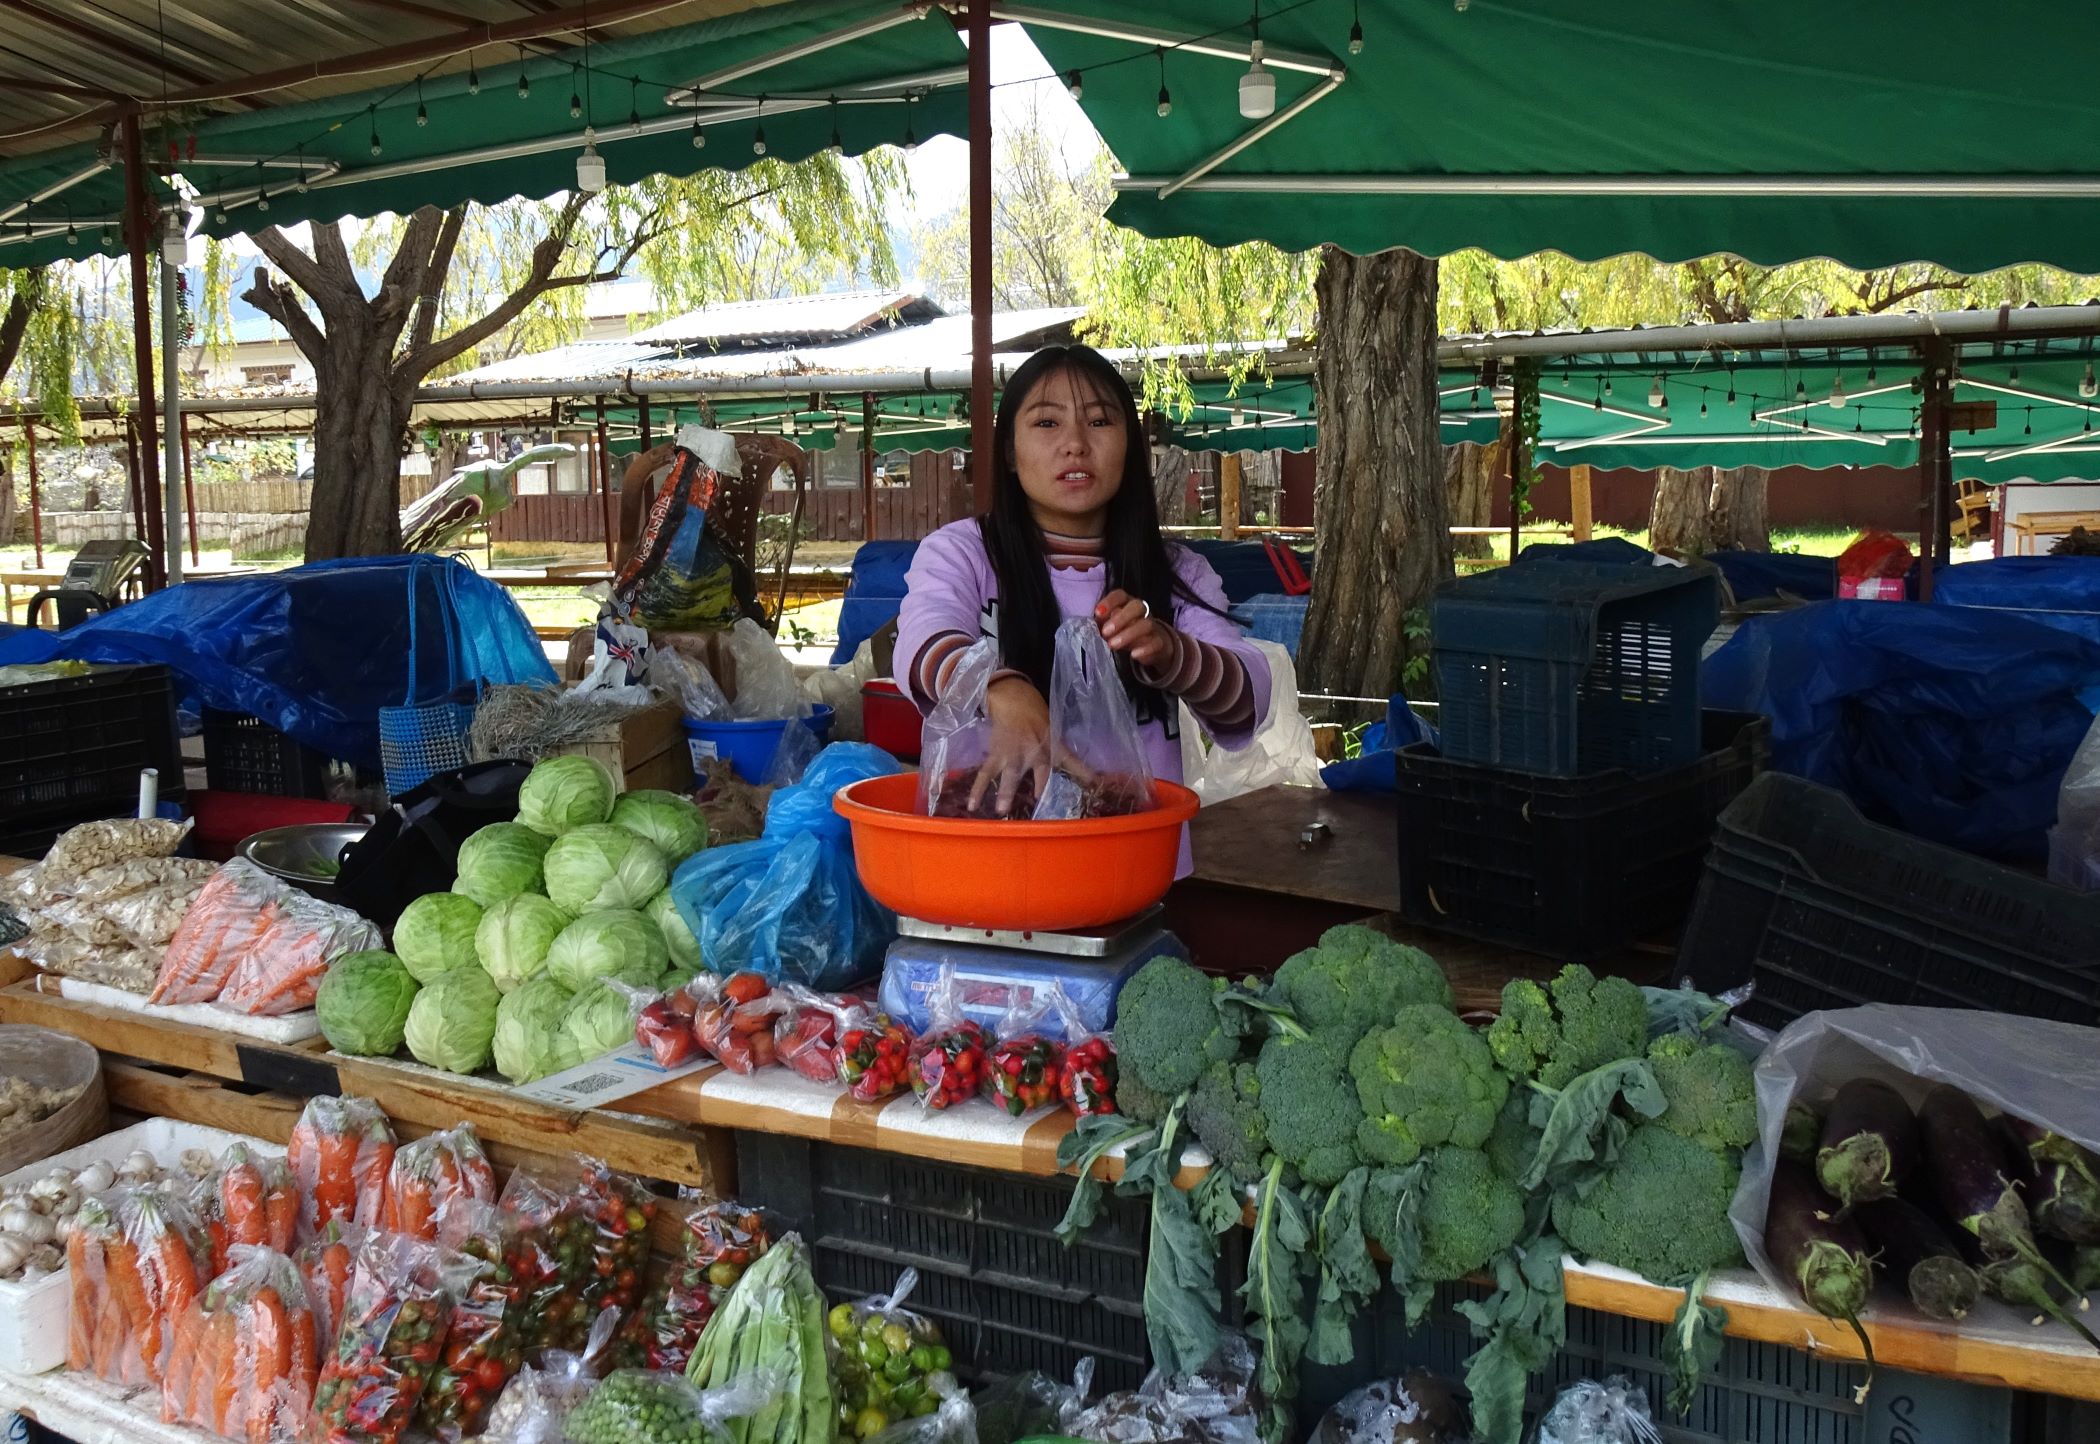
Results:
413 847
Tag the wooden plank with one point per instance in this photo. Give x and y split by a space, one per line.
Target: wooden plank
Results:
1252 842
182 1045
1579 500
1229 476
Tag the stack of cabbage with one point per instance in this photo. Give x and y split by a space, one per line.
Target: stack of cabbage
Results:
527 961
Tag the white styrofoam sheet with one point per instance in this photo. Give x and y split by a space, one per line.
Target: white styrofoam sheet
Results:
781 1089
34 1317
287 1028
88 1410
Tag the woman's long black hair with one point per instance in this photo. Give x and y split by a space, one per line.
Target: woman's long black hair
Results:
1137 556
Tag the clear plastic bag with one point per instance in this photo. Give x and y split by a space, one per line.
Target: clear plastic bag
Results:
257 945
1280 753
1614 1411
227 917
735 1025
325 1263
2074 843
721 1240
249 1200
1093 730
149 917
341 1153
91 845
244 1358
957 740
634 1405
1027 1063
536 1401
686 681
483 1331
137 1258
1024 1406
839 689
586 1245
806 1038
122 879
665 1025
132 969
798 747
430 1175
1418 1408
868 1339
952 1059
874 1055
766 689
388 1342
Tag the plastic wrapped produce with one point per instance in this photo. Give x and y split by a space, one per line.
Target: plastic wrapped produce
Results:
892 1364
341 1154
586 1237
137 1259
484 1332
325 1263
1588 1412
389 1341
243 1358
874 1056
249 1199
431 1174
721 1240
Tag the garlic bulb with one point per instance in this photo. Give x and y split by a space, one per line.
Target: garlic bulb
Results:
195 1162
139 1167
23 1222
14 1252
97 1177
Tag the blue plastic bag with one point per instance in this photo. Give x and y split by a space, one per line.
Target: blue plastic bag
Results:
789 904
1371 770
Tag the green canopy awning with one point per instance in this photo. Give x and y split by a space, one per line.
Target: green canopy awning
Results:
1871 133
887 76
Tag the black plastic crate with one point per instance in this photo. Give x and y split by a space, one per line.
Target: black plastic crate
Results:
1007 1294
71 748
1757 1393
1574 868
1564 668
246 754
1824 909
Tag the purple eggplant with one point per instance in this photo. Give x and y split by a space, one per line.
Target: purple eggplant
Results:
2023 1283
1823 1255
1975 1176
1869 1144
2085 1265
1801 1133
2063 1192
1916 1253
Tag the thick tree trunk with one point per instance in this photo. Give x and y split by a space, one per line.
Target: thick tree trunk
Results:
1382 527
358 426
1739 519
1472 477
1170 484
1679 517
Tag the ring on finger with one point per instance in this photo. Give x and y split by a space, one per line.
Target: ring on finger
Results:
1148 608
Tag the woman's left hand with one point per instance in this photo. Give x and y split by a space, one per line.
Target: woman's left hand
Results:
1127 625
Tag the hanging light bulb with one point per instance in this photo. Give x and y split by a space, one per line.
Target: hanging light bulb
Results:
2028 430
1731 386
299 185
1837 392
1702 403
1859 418
575 99
838 146
473 76
1800 393
634 104
590 166
221 217
790 427
699 135
1873 372
1356 29
2088 385
1239 416
1597 402
524 85
373 114
911 136
1166 101
1607 386
422 115
72 236
758 136
1656 398
1258 85
1074 84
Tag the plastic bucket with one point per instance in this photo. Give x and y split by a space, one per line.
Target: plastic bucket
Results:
1024 876
748 747
890 719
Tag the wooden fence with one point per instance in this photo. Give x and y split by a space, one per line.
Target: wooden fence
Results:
560 517
244 532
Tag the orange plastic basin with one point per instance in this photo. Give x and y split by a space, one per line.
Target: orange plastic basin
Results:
1042 876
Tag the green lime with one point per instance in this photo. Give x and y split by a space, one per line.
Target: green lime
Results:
898 1368
926 1405
942 1359
922 1358
874 1353
872 1326
870 1423
841 1321
898 1338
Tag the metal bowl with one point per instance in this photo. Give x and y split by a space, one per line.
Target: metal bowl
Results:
306 854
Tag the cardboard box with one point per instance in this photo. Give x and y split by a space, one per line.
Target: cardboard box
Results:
646 749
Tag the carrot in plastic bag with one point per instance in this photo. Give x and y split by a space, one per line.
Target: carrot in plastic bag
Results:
325 1265
340 1153
150 1246
431 1174
237 1368
281 971
230 912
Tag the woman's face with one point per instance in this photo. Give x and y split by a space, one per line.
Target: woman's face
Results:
1069 445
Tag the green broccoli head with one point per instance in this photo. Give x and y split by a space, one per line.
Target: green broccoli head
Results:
1711 1097
1311 1105
1470 1214
1165 1017
1660 1209
1558 1032
1225 1112
1137 1102
1356 980
1425 1081
1515 1141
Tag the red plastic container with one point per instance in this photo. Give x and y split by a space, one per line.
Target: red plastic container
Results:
890 720
1023 876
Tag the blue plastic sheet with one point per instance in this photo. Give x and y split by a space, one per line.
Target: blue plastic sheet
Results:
1371 770
315 651
1609 549
1244 568
789 904
1755 575
874 594
1277 619
1952 723
2061 592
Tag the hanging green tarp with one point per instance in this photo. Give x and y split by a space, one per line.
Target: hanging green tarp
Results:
442 161
1463 99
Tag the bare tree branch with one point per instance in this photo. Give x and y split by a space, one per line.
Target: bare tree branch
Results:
296 264
29 295
1891 299
405 275
281 304
434 277
332 258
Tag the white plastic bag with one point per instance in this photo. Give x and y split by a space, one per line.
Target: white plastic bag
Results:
2074 843
839 689
766 689
1588 1412
1280 752
2044 1071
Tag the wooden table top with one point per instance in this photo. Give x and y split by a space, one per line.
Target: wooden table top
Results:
1253 842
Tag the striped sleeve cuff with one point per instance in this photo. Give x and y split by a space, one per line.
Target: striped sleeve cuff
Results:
935 666
1210 679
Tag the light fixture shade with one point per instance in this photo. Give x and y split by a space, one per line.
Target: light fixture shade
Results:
590 169
174 242
2088 384
1655 394
1257 90
1837 393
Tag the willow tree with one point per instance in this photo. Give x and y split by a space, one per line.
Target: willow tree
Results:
457 287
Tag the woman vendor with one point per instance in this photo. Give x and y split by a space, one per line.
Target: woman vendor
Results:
1074 532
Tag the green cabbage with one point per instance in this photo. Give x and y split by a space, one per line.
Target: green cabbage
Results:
563 793
674 977
532 1039
601 866
599 1018
500 861
684 947
435 934
514 936
453 1019
363 1003
666 820
619 944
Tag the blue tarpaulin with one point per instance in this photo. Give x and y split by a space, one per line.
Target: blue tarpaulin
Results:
2061 592
1754 575
1952 723
873 594
1244 568
314 651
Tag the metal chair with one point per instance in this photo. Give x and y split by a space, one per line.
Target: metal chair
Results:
73 605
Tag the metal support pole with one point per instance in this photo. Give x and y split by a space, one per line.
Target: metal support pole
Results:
138 230
981 458
36 509
642 415
612 526
1934 464
131 474
171 414
189 487
867 465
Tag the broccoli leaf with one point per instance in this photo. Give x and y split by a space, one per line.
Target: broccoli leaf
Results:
1275 1295
1393 1216
1348 1277
1576 1119
1081 1149
1525 1323
1247 1014
1181 1268
1692 1346
1217 1202
1684 1010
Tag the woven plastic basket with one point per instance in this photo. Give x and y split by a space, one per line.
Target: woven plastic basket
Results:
419 739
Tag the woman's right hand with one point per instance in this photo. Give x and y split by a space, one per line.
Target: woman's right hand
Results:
1020 744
